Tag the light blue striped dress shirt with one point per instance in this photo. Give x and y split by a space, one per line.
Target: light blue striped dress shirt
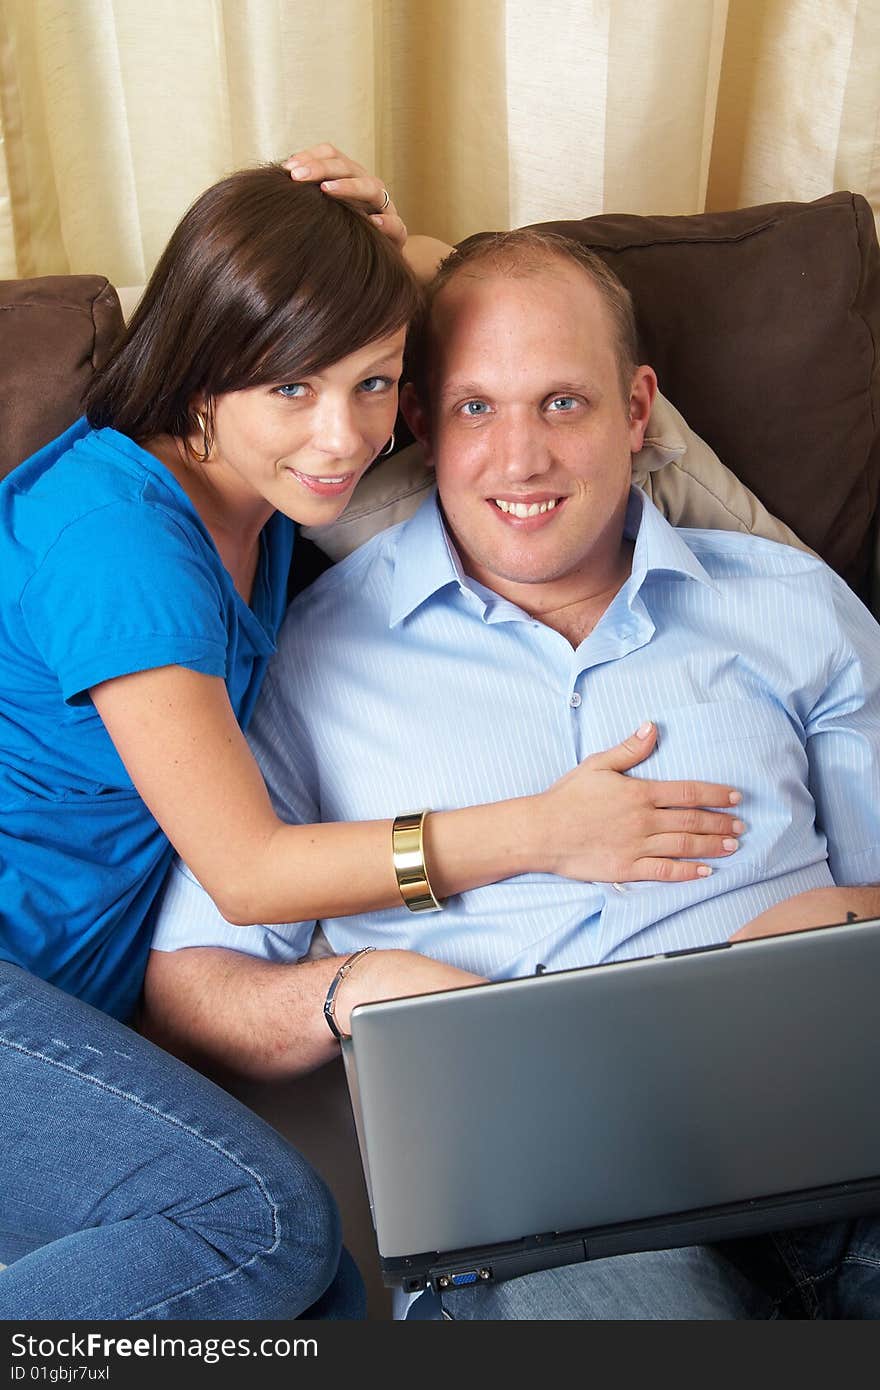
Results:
399 683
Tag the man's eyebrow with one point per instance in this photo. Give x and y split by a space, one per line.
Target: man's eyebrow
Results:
573 388
463 388
469 389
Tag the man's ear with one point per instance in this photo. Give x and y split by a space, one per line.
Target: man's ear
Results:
641 399
416 416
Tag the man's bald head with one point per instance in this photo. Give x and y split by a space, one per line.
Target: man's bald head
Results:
521 254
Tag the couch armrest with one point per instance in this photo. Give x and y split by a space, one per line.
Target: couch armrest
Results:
54 333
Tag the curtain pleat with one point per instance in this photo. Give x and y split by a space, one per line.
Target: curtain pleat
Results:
114 114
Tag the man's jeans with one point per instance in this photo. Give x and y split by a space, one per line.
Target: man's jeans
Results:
132 1187
830 1271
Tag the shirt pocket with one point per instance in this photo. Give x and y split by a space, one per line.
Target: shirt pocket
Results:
749 743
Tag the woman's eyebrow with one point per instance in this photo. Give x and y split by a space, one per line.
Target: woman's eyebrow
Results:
389 359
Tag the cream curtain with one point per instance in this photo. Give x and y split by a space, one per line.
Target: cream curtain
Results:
477 113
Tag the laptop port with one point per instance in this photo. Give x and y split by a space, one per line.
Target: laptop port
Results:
463 1278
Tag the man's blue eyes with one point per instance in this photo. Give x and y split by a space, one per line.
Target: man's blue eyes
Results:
559 404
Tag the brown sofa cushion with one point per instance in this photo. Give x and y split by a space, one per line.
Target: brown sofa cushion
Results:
54 332
763 325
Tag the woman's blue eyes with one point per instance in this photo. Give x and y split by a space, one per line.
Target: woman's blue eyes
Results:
370 386
474 408
563 403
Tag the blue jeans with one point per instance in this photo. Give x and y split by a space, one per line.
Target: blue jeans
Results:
829 1271
132 1187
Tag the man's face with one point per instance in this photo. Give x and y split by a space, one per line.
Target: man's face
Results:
530 433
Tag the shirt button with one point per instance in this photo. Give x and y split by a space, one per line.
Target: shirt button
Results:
574 700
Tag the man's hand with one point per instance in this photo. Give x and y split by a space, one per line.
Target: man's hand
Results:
611 828
818 907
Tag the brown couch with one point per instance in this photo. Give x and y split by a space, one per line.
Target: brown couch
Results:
764 327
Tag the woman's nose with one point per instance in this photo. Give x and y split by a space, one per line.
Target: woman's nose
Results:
336 429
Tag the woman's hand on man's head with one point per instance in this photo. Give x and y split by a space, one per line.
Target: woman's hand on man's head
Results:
341 177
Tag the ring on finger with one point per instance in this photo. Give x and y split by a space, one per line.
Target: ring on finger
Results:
386 199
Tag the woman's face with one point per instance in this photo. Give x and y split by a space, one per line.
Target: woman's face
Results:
301 446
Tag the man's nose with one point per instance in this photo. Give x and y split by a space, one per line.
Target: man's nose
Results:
337 431
523 450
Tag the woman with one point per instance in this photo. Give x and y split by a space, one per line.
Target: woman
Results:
144 557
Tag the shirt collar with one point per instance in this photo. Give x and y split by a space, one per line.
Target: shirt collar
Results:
659 547
426 561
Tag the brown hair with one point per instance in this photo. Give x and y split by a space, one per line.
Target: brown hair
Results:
264 280
524 252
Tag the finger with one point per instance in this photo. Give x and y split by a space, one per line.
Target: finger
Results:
693 794
698 822
393 227
322 151
369 191
340 168
693 846
625 755
666 871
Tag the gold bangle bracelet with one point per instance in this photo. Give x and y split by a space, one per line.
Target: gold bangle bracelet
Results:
408 857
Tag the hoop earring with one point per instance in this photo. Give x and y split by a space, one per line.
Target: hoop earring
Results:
389 448
207 438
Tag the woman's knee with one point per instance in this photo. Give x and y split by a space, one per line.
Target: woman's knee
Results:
296 1224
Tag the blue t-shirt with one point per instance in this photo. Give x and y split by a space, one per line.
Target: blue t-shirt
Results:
105 569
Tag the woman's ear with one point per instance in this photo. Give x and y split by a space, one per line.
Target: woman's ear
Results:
416 416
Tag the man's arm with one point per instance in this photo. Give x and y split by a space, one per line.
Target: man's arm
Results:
842 730
234 1014
819 907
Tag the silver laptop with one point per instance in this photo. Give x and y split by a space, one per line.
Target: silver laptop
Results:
659 1102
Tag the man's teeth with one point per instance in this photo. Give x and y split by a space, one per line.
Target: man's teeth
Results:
523 510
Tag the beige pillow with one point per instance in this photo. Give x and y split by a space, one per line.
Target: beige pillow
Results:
676 468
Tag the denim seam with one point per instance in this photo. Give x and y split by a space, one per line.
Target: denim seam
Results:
803 1284
861 1260
187 1129
809 1283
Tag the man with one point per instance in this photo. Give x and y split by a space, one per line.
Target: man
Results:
531 617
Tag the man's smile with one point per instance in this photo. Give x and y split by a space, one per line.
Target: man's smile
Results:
532 508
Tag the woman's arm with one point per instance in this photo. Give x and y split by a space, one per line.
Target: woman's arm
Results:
177 735
424 254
